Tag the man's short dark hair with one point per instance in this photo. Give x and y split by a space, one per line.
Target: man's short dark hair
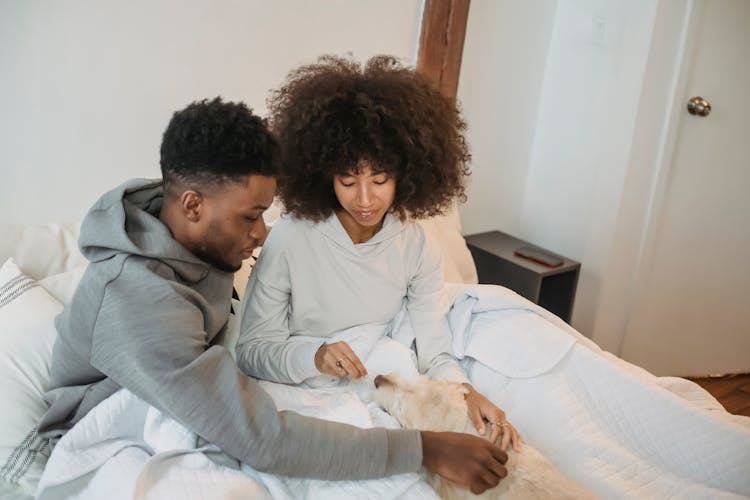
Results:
212 141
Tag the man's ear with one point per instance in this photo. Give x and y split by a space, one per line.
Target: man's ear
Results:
191 204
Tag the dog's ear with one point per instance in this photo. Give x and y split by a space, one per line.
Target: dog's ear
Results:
383 380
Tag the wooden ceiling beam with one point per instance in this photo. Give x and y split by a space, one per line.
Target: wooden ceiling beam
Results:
441 42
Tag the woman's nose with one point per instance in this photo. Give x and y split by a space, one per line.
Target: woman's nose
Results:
364 196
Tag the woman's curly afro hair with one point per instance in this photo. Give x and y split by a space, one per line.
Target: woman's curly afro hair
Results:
332 115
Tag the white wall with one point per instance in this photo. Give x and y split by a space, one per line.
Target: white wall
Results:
502 72
576 176
88 87
585 129
566 103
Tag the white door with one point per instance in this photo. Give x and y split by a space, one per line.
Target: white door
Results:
692 312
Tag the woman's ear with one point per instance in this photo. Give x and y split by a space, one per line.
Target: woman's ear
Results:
191 204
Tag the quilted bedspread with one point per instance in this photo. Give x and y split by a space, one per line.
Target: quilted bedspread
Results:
612 426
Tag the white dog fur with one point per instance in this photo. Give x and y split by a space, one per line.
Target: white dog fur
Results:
436 405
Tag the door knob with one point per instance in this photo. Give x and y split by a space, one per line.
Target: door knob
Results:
698 106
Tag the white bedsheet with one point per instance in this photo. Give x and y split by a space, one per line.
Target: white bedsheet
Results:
610 425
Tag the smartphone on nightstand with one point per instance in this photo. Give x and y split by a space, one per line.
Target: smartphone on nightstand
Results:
538 256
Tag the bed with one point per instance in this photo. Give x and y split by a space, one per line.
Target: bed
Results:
614 427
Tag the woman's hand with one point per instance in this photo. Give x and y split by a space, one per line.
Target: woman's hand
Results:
481 409
338 359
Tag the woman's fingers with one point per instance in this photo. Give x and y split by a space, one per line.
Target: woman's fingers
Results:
340 360
496 429
475 414
507 435
500 430
359 367
349 368
510 437
517 440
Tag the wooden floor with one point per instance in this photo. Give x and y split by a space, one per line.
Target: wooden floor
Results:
732 391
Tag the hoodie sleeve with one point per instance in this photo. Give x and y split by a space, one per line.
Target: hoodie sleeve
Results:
428 314
149 338
265 348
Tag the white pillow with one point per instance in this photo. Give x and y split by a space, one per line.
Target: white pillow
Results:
458 264
42 251
62 286
27 314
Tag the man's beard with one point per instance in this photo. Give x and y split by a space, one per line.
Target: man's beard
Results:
210 255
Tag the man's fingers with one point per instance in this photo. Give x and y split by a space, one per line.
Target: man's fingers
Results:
485 480
464 459
499 454
498 469
477 488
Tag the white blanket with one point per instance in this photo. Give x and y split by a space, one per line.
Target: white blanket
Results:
610 425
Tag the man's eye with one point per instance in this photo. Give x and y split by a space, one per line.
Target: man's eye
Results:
346 184
251 218
380 182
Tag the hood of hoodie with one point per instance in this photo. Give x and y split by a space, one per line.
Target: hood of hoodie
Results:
125 220
332 229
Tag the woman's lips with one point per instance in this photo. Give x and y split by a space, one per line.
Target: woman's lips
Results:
366 214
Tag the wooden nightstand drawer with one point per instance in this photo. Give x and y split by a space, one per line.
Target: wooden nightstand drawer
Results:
553 288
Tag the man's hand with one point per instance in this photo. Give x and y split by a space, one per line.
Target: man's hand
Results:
464 459
339 359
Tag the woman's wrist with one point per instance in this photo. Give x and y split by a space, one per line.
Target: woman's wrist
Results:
318 358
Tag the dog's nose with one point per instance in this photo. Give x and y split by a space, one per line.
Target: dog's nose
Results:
379 381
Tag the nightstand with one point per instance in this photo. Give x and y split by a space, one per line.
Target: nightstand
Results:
553 288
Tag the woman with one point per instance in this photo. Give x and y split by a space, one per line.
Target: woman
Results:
365 152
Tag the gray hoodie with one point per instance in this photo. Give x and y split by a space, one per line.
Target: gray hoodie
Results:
145 316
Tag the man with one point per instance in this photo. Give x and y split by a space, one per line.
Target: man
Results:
157 294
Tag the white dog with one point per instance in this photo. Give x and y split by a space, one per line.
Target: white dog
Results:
436 405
